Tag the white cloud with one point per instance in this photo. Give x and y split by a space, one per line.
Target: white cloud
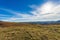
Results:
47 12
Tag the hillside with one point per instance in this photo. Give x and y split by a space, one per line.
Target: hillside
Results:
25 31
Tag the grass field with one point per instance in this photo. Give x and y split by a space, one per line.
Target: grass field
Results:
30 32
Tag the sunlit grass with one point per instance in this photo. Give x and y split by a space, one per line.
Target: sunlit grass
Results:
30 32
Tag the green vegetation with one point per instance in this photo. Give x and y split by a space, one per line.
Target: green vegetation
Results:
30 32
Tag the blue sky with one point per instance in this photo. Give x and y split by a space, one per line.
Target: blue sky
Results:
29 10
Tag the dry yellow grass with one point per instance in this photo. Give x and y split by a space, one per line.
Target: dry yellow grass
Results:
30 32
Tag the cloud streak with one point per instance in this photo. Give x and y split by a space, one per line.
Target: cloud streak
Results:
47 12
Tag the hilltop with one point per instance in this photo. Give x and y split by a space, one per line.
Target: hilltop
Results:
28 31
7 24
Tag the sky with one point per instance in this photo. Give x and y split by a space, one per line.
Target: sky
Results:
29 10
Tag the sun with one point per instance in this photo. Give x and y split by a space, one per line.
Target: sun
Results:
47 8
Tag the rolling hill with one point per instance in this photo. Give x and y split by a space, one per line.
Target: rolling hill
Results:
29 31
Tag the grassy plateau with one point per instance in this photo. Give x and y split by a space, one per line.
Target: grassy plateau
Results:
22 31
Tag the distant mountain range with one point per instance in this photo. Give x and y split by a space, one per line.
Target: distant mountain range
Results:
40 22
47 22
43 22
